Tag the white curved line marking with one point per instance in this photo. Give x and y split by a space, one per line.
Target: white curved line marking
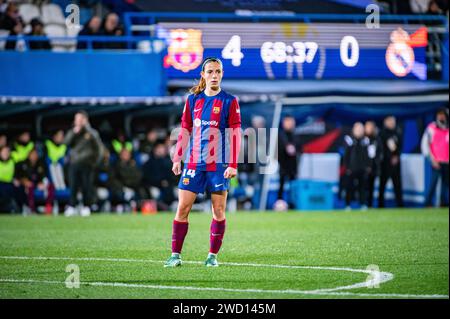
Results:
379 277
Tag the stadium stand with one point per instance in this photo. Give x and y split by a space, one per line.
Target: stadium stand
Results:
28 11
52 14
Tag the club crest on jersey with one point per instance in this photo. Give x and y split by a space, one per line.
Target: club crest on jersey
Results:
216 110
185 181
185 52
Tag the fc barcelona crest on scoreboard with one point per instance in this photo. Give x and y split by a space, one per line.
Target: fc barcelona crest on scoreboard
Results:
185 51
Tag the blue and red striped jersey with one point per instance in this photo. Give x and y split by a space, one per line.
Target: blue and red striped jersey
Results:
210 132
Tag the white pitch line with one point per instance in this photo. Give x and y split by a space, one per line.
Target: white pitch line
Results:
290 291
378 278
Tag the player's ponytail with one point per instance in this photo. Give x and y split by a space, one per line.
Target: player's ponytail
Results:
197 89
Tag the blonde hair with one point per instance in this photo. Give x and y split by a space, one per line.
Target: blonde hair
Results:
197 89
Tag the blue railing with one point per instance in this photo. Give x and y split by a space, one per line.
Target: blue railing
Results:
151 18
87 42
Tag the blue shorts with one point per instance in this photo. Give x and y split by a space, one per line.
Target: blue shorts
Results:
197 181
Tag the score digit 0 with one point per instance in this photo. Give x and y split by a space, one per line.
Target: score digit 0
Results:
349 42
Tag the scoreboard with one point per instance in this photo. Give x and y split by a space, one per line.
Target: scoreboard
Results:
296 50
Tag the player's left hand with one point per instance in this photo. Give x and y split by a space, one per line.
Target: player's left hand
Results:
230 172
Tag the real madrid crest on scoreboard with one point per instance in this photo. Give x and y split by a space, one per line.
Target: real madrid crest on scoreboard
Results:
297 50
400 57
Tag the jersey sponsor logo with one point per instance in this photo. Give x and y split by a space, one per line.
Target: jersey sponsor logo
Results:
197 122
185 52
216 110
210 123
185 181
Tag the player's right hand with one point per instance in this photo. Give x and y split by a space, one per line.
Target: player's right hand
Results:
176 168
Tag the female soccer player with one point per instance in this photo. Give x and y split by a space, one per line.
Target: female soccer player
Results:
210 126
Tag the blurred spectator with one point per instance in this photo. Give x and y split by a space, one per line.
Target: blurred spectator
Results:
121 142
129 176
37 29
22 147
32 175
356 162
3 140
91 28
435 146
85 153
250 179
151 137
390 164
3 6
419 6
55 152
427 6
157 172
287 154
108 188
434 8
443 5
111 27
7 173
12 22
374 152
242 186
400 6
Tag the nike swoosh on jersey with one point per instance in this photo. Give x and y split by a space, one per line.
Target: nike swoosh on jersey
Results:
196 110
217 185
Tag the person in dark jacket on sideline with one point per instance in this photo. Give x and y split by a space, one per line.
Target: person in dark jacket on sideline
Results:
85 153
374 150
8 183
129 175
157 173
390 163
287 153
356 161
32 174
105 179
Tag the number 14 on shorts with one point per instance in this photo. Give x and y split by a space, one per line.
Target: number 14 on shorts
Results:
189 172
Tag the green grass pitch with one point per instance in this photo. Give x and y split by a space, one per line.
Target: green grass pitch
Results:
121 256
